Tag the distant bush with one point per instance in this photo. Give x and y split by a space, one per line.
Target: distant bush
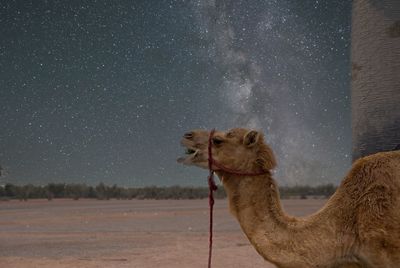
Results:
304 191
105 192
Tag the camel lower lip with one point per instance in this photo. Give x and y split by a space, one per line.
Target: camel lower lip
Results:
185 160
181 159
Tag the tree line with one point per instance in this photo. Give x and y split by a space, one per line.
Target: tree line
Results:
105 192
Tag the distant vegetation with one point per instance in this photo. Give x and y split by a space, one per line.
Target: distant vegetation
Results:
104 192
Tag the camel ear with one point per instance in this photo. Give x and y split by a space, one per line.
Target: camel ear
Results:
251 138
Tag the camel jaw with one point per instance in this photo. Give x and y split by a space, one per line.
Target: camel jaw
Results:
195 152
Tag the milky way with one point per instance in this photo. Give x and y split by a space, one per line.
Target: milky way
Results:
99 91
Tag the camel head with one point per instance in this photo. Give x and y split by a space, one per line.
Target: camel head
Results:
237 149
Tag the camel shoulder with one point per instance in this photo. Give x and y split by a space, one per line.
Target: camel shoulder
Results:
373 183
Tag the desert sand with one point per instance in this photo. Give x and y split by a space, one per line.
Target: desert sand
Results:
126 233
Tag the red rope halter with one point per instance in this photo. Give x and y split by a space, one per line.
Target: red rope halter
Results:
213 187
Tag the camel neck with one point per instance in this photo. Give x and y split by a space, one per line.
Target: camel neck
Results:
255 202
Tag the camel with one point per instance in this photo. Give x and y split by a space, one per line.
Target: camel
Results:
359 226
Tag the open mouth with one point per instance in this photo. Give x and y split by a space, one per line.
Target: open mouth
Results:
190 155
190 151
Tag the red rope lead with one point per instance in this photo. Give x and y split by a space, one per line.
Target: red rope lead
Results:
212 187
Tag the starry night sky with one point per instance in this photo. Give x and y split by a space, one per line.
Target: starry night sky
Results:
102 91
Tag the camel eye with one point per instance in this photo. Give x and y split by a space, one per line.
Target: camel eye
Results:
217 141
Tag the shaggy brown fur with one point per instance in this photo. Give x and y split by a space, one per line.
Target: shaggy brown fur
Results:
358 227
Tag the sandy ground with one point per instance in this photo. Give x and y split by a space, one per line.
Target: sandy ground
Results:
131 233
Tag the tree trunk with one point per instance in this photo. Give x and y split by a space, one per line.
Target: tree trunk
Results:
375 81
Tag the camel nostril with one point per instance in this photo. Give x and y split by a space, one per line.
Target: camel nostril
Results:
188 135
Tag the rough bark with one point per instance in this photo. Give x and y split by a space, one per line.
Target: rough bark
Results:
375 76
